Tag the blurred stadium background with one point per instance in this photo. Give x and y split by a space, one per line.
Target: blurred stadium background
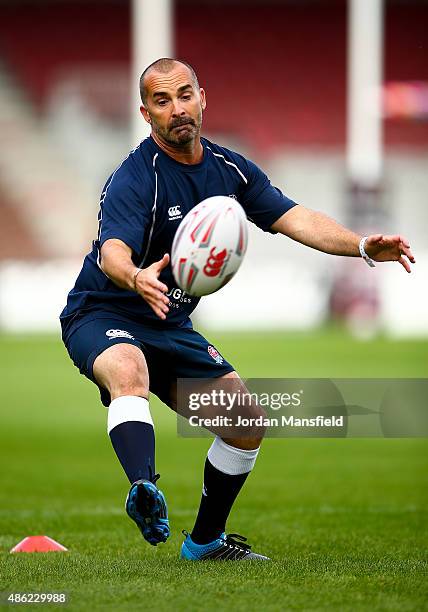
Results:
277 76
345 520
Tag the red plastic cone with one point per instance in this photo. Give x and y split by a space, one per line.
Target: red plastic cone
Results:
38 544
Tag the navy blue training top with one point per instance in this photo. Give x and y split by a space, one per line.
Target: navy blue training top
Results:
143 203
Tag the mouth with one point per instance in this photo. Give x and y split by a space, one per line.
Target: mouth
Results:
182 126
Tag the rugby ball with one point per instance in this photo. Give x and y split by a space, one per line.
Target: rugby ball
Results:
209 245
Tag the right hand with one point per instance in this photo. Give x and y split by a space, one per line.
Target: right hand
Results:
152 289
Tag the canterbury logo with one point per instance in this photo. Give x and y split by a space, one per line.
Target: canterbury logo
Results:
174 212
215 262
118 333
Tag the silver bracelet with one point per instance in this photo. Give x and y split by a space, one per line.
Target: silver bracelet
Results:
136 273
369 261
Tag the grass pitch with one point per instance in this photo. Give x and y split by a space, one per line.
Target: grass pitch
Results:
344 520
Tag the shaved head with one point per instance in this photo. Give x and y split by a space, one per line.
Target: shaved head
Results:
164 65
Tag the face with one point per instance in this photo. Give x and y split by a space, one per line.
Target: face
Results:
174 106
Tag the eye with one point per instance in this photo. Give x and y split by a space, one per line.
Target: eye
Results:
186 96
162 102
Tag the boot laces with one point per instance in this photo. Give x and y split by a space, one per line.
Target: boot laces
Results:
153 477
234 539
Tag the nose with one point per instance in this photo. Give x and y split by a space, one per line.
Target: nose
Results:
178 110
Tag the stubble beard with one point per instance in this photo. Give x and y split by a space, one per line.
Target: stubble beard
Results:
180 138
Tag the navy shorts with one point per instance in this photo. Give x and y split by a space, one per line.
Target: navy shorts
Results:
170 353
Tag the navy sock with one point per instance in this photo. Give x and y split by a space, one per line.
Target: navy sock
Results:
134 444
219 493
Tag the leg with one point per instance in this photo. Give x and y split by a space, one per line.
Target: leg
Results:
229 461
122 370
227 466
252 442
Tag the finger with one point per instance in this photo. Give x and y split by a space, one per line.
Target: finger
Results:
160 297
161 286
155 295
404 241
159 308
408 253
405 264
159 313
155 284
162 263
159 300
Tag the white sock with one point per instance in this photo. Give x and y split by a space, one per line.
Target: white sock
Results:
231 460
128 408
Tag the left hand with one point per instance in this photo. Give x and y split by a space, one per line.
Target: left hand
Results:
389 248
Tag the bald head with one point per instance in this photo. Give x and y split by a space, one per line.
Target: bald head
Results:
164 65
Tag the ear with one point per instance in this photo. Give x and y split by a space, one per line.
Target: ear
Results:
145 114
203 98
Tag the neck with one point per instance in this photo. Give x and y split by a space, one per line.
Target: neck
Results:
191 153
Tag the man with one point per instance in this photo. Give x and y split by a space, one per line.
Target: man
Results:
127 327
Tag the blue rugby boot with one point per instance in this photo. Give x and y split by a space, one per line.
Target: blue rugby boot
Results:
230 547
146 506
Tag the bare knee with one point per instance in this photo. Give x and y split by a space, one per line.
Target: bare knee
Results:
122 370
254 434
250 437
250 441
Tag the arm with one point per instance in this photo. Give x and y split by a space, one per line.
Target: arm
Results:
316 230
116 263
